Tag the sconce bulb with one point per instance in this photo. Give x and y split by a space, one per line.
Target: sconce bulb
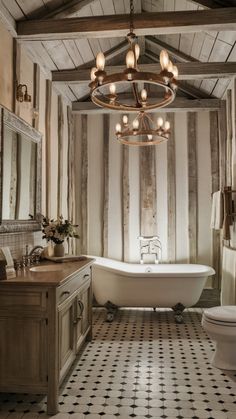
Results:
137 51
167 125
112 88
92 73
159 122
144 95
149 137
175 71
130 59
118 128
100 61
125 119
135 123
164 59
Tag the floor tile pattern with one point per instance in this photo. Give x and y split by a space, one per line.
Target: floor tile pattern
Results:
143 365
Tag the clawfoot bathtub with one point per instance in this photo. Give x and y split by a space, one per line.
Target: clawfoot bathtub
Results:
119 284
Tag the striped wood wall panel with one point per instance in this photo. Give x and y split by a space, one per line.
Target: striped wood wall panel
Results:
106 127
148 191
48 144
193 191
215 182
126 202
171 170
84 183
60 155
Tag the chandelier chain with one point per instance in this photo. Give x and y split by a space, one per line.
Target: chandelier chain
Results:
131 16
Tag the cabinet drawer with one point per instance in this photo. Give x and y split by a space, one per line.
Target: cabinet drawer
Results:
23 300
66 290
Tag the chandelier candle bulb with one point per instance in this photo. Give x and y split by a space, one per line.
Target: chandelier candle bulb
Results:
130 59
100 61
118 128
175 71
125 119
164 59
112 88
144 95
160 122
135 123
167 125
170 67
92 73
149 137
137 51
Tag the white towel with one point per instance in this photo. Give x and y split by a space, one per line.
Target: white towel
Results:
228 283
217 211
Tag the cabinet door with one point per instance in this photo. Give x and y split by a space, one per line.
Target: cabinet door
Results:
66 335
86 301
23 348
79 316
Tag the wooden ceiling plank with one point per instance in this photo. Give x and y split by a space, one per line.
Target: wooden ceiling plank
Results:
187 71
66 9
118 25
180 104
173 52
7 20
212 4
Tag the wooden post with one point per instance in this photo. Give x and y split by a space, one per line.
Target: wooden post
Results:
215 184
193 187
106 127
60 155
48 145
71 176
84 183
148 191
234 134
229 138
36 93
16 73
171 192
125 201
222 143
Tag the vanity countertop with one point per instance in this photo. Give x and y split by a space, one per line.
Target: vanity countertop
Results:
51 278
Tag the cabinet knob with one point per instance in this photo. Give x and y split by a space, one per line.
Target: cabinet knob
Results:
86 276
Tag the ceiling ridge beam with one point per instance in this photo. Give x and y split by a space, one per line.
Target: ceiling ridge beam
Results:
118 25
187 71
212 4
179 104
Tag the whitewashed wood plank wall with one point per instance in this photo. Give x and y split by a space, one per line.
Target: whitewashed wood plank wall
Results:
117 182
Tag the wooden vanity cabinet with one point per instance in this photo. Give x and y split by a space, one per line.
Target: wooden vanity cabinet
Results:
43 326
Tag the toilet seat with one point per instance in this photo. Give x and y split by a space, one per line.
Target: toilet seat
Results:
222 315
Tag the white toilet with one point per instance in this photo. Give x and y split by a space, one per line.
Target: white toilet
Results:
220 325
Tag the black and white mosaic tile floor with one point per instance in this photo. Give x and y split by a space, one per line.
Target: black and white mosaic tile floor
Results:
143 365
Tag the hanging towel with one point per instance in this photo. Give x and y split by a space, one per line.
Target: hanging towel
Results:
228 283
217 211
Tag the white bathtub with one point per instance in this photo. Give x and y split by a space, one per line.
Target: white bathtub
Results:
134 285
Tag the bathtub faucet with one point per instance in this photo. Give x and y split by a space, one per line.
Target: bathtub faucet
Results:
150 245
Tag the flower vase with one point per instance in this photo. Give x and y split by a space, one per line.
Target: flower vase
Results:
59 250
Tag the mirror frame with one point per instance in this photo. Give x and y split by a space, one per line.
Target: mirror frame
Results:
17 124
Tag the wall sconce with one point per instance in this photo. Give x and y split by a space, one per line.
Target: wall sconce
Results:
22 93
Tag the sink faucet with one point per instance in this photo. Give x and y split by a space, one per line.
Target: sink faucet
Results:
34 249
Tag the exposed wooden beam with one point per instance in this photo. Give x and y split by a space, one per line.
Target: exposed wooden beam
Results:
180 104
118 25
174 53
187 71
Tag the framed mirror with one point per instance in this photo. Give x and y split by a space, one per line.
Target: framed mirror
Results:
20 174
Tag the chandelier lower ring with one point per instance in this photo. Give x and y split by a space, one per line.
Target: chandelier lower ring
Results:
103 99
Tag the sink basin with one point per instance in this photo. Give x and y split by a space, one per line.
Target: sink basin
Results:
46 268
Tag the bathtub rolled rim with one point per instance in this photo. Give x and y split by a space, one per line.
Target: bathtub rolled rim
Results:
157 270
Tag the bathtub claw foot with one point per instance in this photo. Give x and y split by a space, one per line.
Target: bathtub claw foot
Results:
111 311
154 309
178 312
